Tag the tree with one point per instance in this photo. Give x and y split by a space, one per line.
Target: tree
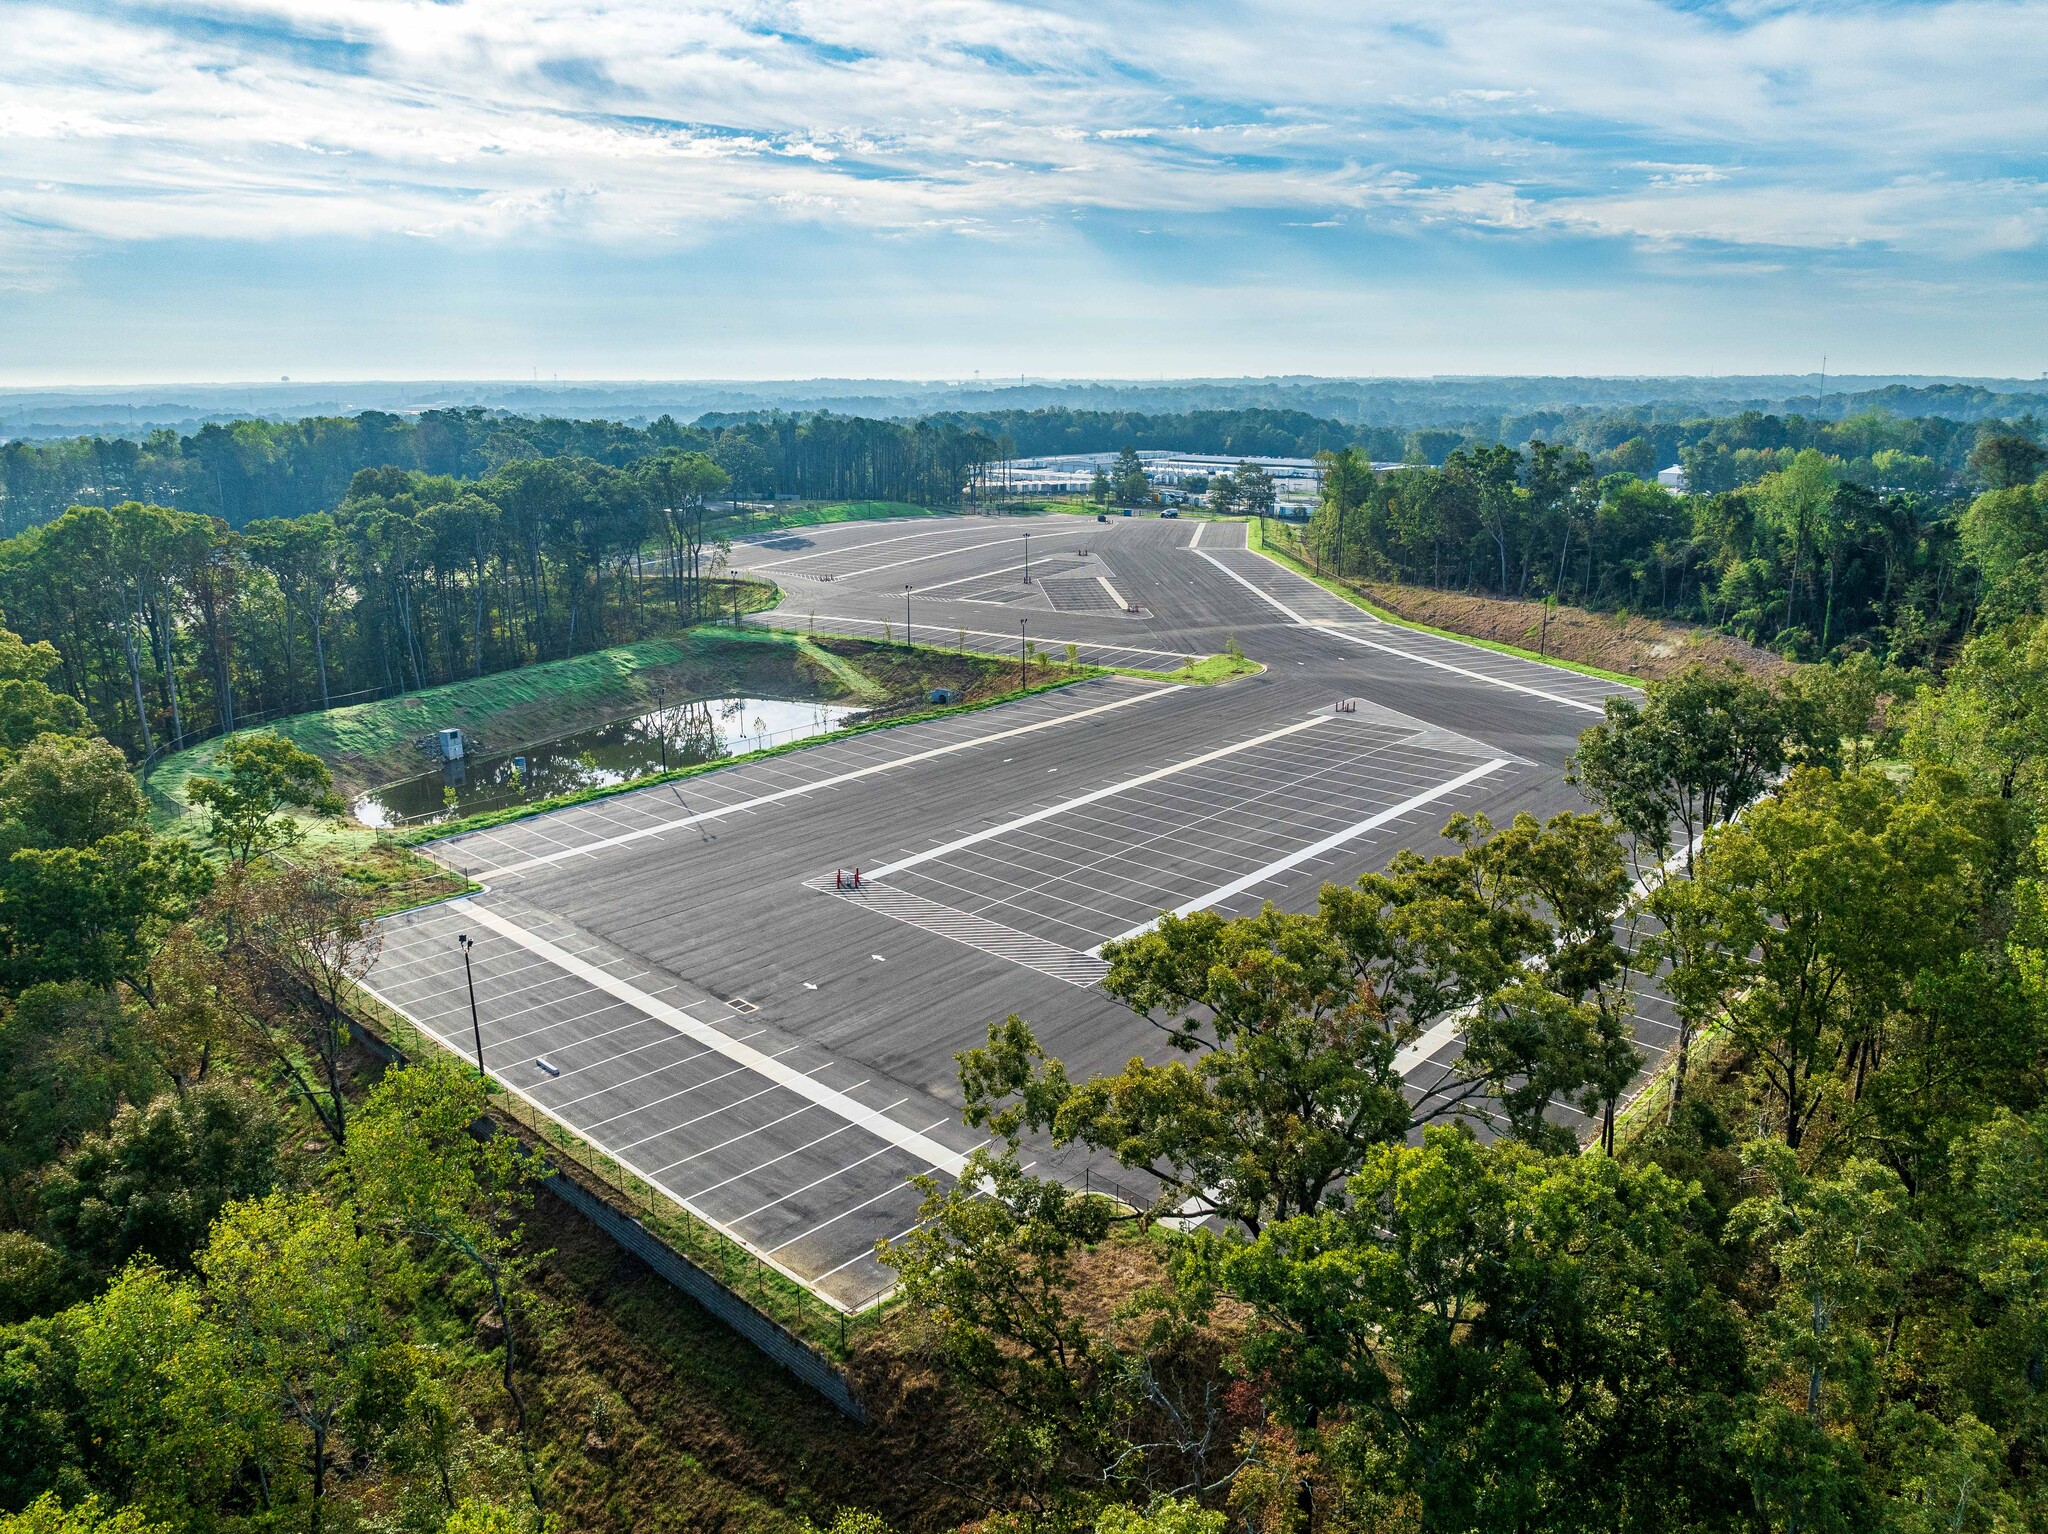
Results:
46 1515
420 1169
1291 1024
1796 503
172 1416
152 1182
70 1054
1128 484
264 776
29 708
300 939
1701 746
63 791
989 1269
1513 1340
1839 1250
1099 486
299 1296
93 913
1990 720
2004 459
1070 1403
1251 491
1804 921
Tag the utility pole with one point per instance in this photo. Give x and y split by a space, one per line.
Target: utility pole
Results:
476 1028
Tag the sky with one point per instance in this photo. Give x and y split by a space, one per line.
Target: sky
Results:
349 189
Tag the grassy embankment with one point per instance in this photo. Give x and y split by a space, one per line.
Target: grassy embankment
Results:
1281 546
1622 647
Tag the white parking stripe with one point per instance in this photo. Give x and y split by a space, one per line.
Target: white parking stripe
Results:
1314 849
1101 793
767 1066
853 546
918 559
1115 645
1421 660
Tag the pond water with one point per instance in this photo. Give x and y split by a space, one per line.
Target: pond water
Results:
618 752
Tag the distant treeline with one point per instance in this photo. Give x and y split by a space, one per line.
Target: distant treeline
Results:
253 469
1920 453
257 469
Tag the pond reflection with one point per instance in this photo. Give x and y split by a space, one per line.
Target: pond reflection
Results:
678 736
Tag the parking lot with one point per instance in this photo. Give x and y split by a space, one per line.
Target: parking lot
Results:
1213 829
686 975
803 1158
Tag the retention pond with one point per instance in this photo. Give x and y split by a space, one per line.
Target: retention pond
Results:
619 752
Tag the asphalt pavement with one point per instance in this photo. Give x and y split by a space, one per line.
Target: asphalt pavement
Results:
689 976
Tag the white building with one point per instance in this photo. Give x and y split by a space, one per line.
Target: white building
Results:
1672 478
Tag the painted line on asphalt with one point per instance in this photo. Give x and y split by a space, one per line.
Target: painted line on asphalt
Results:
1117 645
764 1065
1316 849
918 559
1105 792
1421 660
853 546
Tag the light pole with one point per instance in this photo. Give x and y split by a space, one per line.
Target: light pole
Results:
1027 559
661 722
475 1027
1022 679
906 612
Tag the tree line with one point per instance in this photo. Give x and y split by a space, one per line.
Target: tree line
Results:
169 624
1804 559
247 471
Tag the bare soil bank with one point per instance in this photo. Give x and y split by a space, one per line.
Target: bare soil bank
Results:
1633 645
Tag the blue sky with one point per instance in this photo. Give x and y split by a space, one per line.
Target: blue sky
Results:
927 188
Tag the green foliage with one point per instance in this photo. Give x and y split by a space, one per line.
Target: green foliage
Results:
1174 1515
1806 920
263 777
154 1180
1693 753
1128 485
62 791
70 1055
29 708
46 1515
1520 1341
1291 1023
32 1277
989 1269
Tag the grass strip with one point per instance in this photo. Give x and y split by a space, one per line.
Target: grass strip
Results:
1258 543
746 524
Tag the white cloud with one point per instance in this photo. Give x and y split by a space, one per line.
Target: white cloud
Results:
648 121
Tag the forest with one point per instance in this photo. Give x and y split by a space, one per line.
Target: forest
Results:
251 470
1802 550
368 556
